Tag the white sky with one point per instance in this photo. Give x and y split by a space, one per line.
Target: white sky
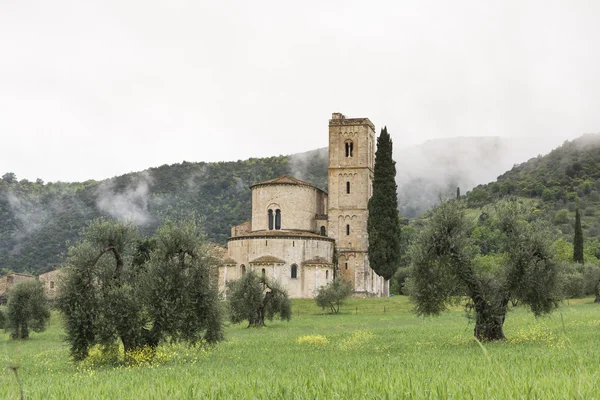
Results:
93 89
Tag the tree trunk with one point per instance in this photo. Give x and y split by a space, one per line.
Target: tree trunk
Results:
489 325
489 319
259 318
489 329
597 299
21 331
257 322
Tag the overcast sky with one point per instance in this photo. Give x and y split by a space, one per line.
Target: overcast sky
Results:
98 88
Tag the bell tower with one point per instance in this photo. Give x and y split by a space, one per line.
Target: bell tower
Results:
350 174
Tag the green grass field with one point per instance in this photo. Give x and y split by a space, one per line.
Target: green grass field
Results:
363 353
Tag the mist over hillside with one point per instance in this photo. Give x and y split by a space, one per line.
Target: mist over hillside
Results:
37 219
435 169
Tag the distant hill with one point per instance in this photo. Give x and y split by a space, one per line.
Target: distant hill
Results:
559 182
436 168
37 219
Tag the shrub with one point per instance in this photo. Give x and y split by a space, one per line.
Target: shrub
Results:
398 280
27 309
334 294
253 298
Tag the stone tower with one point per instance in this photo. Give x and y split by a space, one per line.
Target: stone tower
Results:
351 162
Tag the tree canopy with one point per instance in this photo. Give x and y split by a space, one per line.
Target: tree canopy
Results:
27 309
445 267
333 294
108 298
255 297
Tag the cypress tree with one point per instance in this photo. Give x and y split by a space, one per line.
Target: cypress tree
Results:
383 224
578 240
458 192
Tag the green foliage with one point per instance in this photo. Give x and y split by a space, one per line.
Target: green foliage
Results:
572 281
561 217
446 264
578 240
120 289
178 295
333 294
383 223
37 219
399 279
27 308
477 197
559 181
253 298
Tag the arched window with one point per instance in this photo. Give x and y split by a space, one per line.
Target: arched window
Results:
277 219
263 272
349 148
348 187
346 265
270 220
323 231
243 268
326 274
294 271
348 230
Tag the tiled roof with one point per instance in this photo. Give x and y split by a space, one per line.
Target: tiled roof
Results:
285 180
267 260
228 261
317 261
16 273
281 233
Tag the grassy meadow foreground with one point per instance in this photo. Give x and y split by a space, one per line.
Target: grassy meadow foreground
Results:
362 353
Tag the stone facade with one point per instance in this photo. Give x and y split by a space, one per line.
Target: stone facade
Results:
296 226
50 281
350 176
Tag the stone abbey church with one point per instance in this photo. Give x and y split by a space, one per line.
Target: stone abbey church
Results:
296 227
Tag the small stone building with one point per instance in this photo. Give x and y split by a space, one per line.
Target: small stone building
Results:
9 280
50 281
296 227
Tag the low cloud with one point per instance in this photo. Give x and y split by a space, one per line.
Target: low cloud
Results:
130 203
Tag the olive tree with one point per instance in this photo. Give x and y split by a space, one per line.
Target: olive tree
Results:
27 308
119 288
443 268
333 294
255 297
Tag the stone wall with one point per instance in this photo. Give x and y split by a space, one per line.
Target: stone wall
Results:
51 282
350 188
241 229
290 250
299 204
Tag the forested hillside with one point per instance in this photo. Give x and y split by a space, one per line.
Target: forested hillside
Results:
37 218
558 183
437 167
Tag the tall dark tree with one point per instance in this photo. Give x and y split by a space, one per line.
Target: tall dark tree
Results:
458 192
578 240
383 224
